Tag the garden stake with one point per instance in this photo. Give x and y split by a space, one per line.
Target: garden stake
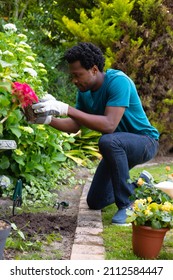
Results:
17 195
62 204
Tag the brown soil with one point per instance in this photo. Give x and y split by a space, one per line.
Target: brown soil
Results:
62 222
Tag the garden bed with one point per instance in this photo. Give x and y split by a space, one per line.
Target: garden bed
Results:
53 228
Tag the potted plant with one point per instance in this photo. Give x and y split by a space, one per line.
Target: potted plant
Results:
151 216
5 228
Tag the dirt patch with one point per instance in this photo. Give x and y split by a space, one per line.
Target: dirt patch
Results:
62 223
36 226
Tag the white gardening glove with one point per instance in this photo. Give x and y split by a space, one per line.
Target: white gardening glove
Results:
46 97
42 119
51 107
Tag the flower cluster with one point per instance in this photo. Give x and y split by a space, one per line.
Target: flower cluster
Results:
10 28
149 213
24 94
151 206
4 183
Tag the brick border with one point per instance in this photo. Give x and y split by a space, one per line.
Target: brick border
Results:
88 243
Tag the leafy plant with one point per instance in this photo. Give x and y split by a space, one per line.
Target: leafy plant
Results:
149 213
151 207
136 37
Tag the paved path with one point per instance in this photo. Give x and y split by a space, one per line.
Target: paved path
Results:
88 243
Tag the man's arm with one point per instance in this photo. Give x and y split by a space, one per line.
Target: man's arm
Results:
67 125
103 124
106 123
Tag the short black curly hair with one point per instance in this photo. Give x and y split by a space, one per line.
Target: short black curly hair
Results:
88 55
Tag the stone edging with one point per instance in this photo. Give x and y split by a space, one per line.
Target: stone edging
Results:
88 243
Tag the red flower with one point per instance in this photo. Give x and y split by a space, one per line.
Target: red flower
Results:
24 94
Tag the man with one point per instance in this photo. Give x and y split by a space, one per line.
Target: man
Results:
107 102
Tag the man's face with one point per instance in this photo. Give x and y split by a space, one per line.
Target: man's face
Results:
82 78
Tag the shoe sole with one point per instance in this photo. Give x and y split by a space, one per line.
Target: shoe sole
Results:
122 225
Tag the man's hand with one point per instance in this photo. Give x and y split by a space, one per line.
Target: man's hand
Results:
46 97
42 119
51 107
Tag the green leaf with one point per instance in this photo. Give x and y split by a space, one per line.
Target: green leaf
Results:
5 86
66 146
13 226
20 233
156 224
60 157
39 167
16 131
4 162
20 160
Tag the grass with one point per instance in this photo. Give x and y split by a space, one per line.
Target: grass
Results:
118 239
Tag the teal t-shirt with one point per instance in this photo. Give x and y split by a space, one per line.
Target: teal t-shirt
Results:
118 90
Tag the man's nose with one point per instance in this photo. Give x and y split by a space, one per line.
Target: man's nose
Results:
74 81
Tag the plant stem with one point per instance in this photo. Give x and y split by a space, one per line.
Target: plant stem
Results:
9 112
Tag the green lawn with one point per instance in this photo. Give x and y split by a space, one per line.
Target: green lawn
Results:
118 239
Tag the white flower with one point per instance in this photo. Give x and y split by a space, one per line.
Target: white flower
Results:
27 129
21 50
30 71
10 28
4 181
8 53
28 64
24 45
41 65
22 36
30 58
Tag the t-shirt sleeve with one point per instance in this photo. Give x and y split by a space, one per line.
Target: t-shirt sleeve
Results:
118 92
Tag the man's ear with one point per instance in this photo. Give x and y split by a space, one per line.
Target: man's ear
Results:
95 69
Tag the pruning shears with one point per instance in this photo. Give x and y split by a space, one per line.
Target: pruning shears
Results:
17 195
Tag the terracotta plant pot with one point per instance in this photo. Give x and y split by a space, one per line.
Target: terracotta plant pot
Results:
5 228
147 241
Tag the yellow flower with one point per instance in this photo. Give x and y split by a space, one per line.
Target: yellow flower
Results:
153 206
168 168
147 212
141 201
140 182
149 199
167 206
170 176
43 71
18 152
40 127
